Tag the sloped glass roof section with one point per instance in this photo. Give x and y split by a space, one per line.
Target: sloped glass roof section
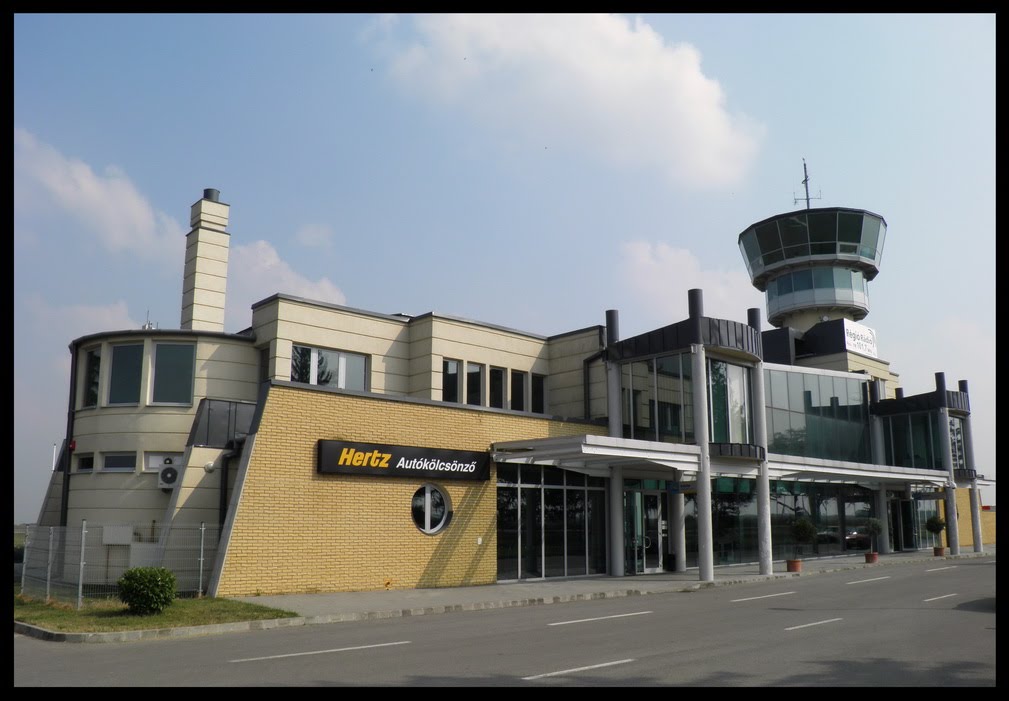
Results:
852 238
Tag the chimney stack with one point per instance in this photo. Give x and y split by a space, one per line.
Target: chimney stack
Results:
205 278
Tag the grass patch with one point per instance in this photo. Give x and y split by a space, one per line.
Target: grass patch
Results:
106 616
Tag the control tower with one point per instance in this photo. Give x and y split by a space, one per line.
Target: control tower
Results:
814 265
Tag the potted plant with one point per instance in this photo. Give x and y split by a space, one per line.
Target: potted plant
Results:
873 527
803 531
936 526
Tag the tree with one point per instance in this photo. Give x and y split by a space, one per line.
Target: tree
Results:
803 531
873 526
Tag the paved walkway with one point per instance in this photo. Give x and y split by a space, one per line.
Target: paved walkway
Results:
357 606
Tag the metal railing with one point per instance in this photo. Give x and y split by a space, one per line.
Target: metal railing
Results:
72 564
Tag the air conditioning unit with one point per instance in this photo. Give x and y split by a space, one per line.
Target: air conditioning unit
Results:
167 475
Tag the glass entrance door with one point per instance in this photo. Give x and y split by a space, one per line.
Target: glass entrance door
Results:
642 532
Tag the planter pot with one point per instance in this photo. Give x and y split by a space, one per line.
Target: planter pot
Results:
938 552
872 558
793 565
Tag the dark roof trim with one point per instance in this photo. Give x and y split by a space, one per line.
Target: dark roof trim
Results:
678 337
810 211
243 336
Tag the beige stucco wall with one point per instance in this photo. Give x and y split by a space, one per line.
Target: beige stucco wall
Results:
294 530
224 368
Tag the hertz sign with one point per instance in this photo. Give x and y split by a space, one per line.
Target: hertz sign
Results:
341 457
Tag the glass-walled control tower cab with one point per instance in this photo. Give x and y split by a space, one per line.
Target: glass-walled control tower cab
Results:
814 264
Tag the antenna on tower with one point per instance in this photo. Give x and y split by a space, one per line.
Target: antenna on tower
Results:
805 182
148 325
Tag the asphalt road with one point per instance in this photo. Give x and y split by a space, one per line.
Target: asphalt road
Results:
914 624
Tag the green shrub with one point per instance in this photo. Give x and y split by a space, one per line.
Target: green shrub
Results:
147 590
935 524
19 553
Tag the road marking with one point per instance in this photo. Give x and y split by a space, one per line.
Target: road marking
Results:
818 623
863 581
936 598
601 618
754 598
321 652
940 569
576 669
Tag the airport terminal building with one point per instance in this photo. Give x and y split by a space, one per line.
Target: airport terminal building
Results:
338 449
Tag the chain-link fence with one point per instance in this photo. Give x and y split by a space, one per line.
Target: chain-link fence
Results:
75 563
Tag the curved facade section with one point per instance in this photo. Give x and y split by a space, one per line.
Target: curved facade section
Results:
135 398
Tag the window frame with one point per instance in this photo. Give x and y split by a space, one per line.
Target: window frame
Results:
340 370
120 469
156 373
427 528
94 352
113 374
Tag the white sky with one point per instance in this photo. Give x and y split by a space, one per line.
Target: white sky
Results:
528 171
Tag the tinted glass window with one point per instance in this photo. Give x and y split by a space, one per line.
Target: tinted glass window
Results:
124 384
173 373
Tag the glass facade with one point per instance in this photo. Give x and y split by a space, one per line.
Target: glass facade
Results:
838 511
551 523
816 416
658 399
912 440
831 232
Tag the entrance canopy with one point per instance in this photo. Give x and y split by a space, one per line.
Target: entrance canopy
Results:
595 455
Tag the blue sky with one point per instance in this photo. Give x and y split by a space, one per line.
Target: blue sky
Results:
531 171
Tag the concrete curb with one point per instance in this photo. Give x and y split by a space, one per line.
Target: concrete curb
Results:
268 624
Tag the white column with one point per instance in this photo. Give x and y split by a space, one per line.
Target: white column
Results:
616 430
975 517
678 530
883 513
975 496
616 521
764 549
705 545
952 525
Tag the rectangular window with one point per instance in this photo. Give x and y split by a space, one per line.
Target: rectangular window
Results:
120 462
85 463
497 387
124 381
173 373
518 402
474 384
450 380
329 368
92 368
539 394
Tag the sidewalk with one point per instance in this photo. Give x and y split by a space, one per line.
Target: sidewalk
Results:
356 606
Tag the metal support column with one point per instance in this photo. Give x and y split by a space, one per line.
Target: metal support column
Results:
705 545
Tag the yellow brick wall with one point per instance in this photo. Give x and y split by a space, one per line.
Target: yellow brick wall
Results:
296 530
965 528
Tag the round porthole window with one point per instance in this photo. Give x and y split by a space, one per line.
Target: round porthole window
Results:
431 509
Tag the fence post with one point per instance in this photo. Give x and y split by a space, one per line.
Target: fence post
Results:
80 578
199 585
49 564
24 556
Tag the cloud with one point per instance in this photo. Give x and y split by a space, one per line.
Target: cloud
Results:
107 206
659 275
315 236
601 85
256 271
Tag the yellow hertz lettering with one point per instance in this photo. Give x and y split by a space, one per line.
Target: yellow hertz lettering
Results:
361 458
